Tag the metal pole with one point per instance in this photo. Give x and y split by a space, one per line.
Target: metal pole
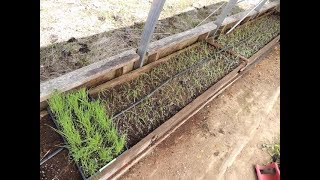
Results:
259 5
226 10
258 9
153 16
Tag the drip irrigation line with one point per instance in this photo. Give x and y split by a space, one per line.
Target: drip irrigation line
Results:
44 159
182 72
161 85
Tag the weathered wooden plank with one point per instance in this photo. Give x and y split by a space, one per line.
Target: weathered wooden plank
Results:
130 157
148 29
119 72
134 74
138 151
153 58
268 7
101 71
178 41
87 76
127 68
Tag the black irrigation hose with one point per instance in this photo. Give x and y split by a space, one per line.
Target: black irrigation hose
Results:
150 94
178 74
43 160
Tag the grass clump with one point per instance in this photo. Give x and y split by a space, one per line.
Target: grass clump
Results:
274 151
92 138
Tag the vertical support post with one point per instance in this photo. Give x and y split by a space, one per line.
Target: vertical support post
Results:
226 10
258 8
153 16
260 4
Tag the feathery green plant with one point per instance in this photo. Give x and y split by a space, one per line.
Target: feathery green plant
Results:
91 136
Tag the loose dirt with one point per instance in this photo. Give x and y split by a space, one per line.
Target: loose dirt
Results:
75 34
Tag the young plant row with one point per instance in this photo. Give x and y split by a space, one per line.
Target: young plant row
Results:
123 95
143 118
259 32
92 139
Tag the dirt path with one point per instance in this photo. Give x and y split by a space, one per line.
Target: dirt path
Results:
224 139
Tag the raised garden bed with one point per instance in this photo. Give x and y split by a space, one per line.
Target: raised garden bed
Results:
154 96
258 33
140 118
151 112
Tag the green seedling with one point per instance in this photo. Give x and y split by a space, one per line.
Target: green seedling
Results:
91 137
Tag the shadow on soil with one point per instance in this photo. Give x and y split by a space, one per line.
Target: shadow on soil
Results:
60 58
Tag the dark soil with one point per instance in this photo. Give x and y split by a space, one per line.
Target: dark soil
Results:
60 167
110 43
50 140
143 118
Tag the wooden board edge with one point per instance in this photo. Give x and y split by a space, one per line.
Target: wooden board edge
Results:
47 87
135 73
263 50
85 75
162 132
127 159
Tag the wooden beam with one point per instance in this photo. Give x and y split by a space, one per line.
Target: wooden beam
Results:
87 76
269 6
263 50
119 72
179 41
104 70
126 160
134 74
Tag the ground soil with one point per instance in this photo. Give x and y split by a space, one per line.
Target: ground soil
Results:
224 139
60 167
136 129
76 34
50 140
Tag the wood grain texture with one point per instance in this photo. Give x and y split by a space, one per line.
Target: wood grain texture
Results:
134 74
88 75
179 41
263 50
130 157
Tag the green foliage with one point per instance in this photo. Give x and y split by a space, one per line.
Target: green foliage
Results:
91 137
261 32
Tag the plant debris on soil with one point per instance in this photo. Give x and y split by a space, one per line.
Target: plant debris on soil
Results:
98 130
143 118
262 30
54 63
274 152
91 137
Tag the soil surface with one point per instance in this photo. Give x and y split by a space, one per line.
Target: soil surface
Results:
224 139
60 167
50 140
146 116
77 33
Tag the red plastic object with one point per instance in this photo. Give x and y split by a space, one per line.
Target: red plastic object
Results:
268 172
